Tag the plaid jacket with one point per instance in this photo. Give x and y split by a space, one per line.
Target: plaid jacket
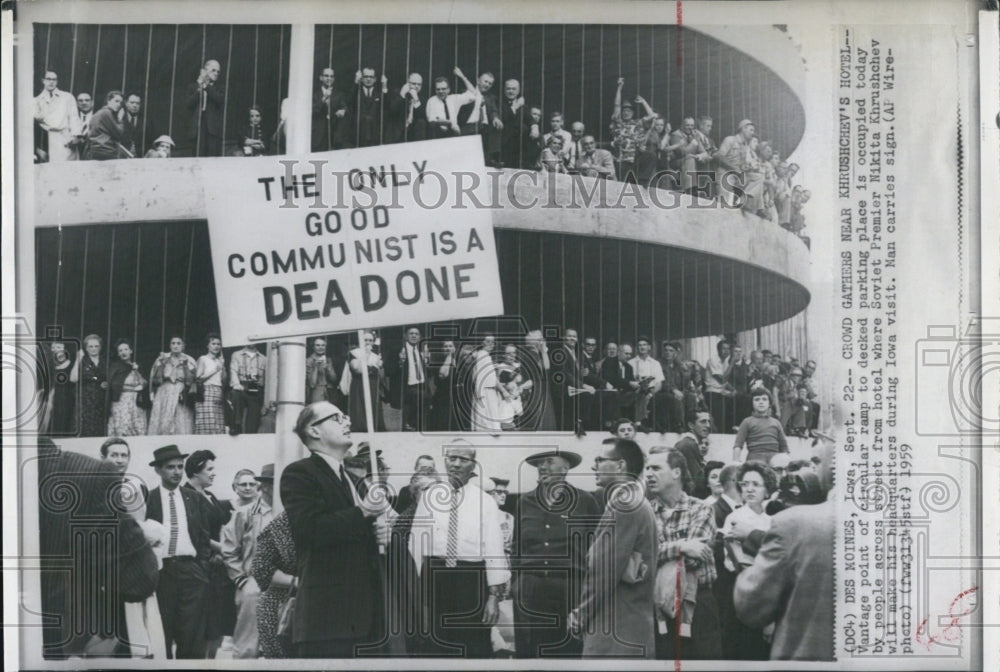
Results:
690 519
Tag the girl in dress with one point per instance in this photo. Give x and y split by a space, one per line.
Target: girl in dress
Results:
90 371
127 384
209 412
172 377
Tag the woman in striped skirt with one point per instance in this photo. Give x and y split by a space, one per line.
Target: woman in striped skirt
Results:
209 412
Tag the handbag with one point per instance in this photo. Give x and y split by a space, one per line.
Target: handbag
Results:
286 615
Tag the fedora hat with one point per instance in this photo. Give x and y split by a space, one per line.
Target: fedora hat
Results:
574 459
166 453
266 473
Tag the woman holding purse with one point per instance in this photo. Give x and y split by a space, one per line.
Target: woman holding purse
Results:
210 376
127 384
171 380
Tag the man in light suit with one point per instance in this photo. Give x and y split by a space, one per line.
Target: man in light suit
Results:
239 541
615 613
183 584
340 611
791 581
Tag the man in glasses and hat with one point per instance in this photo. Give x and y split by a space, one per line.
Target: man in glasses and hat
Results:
552 528
239 541
183 583
339 611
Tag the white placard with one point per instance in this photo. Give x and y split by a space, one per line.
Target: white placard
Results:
351 239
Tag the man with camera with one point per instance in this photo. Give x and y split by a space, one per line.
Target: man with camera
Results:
247 369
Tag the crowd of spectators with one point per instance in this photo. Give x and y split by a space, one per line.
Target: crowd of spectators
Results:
110 394
487 385
530 384
743 170
708 560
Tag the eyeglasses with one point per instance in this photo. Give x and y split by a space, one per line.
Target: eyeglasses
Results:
337 417
751 484
250 484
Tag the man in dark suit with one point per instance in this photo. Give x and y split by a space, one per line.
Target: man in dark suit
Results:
367 107
605 400
566 373
183 585
409 382
132 124
206 99
484 120
340 611
516 125
699 424
329 109
618 372
110 561
407 118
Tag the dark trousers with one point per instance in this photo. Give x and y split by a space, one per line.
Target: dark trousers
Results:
540 609
605 410
705 642
246 408
414 399
458 596
723 410
668 412
180 593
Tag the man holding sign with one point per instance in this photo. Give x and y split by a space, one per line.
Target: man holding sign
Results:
340 605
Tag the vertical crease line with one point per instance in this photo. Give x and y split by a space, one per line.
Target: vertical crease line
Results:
72 66
187 284
256 59
59 234
97 61
225 100
111 285
145 92
163 290
135 312
173 89
83 295
125 62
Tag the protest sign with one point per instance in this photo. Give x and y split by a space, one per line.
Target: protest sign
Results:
337 241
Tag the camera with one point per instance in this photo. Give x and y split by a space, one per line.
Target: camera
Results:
40 371
952 370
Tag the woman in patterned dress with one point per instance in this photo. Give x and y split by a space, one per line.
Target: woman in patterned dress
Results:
274 571
209 412
126 417
91 373
171 379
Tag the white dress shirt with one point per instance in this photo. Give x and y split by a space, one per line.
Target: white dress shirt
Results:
184 544
644 368
480 535
414 365
436 111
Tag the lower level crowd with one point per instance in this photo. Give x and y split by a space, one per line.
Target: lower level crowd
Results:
670 557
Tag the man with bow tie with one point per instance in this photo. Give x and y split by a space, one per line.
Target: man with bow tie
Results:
56 113
329 108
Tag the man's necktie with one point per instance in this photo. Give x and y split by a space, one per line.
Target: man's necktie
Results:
418 365
345 485
451 554
447 114
174 527
409 111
